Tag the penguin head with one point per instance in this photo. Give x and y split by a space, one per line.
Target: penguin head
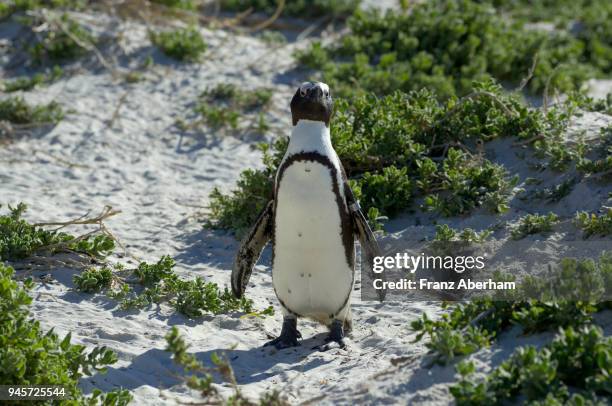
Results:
312 101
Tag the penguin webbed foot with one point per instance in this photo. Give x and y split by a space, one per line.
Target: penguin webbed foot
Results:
336 335
288 337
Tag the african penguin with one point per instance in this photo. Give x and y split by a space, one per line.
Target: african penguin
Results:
312 222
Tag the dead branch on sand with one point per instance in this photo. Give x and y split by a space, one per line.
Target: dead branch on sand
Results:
98 220
272 19
52 20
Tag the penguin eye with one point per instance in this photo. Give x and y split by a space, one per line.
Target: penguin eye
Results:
326 93
302 92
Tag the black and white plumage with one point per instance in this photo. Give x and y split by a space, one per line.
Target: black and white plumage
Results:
312 222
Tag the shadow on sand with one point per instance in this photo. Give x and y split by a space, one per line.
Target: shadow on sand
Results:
214 248
156 368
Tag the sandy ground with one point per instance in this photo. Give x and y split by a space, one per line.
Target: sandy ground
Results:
160 179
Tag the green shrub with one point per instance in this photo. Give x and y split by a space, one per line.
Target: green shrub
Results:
13 6
453 324
65 39
595 32
271 37
593 224
218 117
577 358
160 284
20 239
389 191
29 356
402 146
574 280
561 12
28 83
447 343
93 280
602 148
238 210
232 95
534 224
17 111
444 233
552 194
296 8
196 297
150 274
602 105
182 4
468 184
600 166
183 44
222 106
568 297
445 45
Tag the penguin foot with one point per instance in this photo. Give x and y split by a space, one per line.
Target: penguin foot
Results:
288 337
336 335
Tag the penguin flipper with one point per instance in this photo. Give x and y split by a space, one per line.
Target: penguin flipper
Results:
250 249
362 230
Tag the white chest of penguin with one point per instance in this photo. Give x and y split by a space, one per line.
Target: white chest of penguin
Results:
311 275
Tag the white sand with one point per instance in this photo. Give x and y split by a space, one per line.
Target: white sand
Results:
161 179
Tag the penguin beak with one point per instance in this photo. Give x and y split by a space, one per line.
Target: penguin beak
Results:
315 94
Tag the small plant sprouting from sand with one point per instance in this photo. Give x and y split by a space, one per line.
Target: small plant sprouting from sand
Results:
15 110
444 233
448 241
592 224
63 39
218 117
182 44
601 165
93 280
577 358
32 356
158 283
272 37
602 105
224 106
552 194
534 224
200 377
28 83
236 97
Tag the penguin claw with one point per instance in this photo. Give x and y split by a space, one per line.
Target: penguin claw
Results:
288 337
284 342
336 335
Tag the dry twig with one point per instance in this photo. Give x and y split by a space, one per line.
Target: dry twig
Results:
98 220
115 115
265 24
87 46
527 78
